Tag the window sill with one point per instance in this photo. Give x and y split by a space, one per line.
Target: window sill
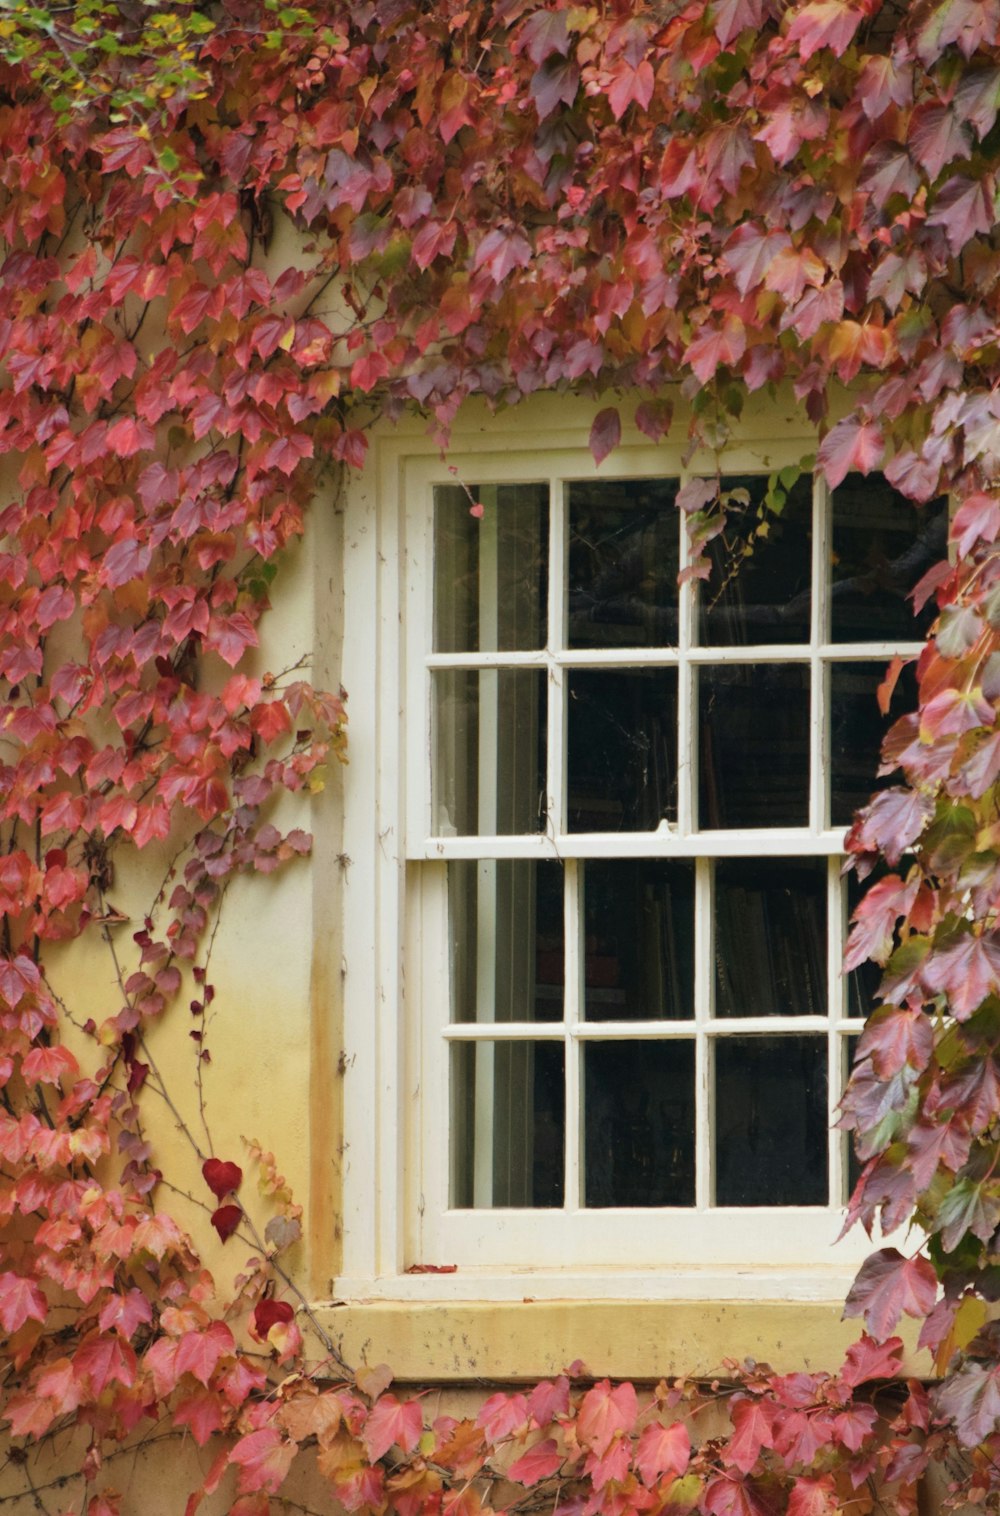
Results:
429 1328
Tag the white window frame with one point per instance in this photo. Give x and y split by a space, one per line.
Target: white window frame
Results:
396 1167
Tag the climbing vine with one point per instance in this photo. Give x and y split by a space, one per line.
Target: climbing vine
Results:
648 203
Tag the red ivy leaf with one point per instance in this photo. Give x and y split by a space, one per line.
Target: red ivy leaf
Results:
221 1177
225 1220
391 1421
662 1449
539 1462
605 1412
605 433
889 1286
267 1313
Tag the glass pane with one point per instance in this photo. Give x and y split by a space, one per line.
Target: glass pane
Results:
758 590
639 1123
491 571
638 940
622 749
507 1110
770 937
754 745
489 751
857 728
854 1165
506 940
771 1121
624 546
882 546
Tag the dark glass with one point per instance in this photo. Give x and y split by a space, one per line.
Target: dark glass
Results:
854 1163
490 572
623 563
758 590
638 961
753 759
770 937
857 728
639 1123
621 749
882 546
506 919
770 1121
502 791
508 1120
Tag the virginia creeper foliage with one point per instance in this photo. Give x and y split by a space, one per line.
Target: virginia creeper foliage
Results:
666 202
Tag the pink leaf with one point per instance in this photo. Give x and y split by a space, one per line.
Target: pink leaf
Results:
852 445
392 1421
604 1412
539 1462
661 1449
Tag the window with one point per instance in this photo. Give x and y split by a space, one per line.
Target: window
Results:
624 1026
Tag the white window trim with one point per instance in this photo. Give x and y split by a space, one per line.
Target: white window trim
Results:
392 1179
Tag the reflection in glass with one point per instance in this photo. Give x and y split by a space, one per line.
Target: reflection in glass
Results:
623 563
758 590
638 1123
754 745
882 545
770 1121
506 919
638 940
507 1123
489 751
770 937
490 572
857 728
621 749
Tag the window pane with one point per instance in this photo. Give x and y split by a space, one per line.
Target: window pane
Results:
506 940
622 749
857 728
770 937
639 1123
760 594
490 572
754 748
638 940
489 751
854 1165
882 546
771 1121
507 1109
623 563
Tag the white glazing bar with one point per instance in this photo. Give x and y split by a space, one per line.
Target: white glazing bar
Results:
799 843
488 660
704 988
572 1010
488 813
856 652
835 1042
555 746
819 673
743 1026
504 1031
687 767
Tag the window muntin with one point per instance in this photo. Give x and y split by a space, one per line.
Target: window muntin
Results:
698 729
